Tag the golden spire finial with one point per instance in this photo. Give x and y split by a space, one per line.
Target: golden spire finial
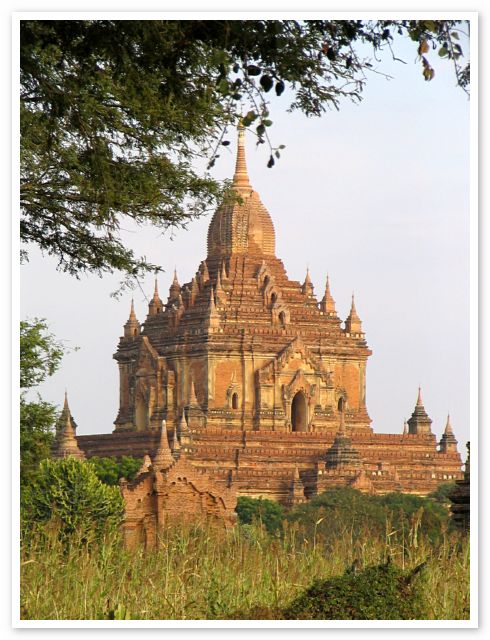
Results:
241 179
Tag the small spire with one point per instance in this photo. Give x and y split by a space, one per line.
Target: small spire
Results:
224 275
353 323
205 271
132 326
156 305
449 429
220 294
405 428
66 444
192 396
241 179
184 431
64 415
342 421
327 304
419 402
132 315
419 422
307 286
213 319
163 457
175 288
175 442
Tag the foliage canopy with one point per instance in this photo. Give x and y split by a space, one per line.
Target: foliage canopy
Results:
69 494
111 470
115 112
40 357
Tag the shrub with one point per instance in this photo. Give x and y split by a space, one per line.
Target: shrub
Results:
69 494
110 470
332 513
382 592
268 512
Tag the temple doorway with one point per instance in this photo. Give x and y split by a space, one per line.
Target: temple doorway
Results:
299 412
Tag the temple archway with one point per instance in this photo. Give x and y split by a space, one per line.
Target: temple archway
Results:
299 412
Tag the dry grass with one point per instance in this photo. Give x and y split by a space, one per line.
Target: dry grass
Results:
205 574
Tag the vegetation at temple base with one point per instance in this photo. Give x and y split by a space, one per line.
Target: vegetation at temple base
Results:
68 495
111 470
442 493
40 357
267 512
349 569
331 512
199 573
115 112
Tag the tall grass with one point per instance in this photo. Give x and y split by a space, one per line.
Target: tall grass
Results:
198 573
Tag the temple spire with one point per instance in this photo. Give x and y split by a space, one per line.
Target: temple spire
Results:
163 457
65 444
448 443
448 429
307 286
132 327
192 396
213 319
419 421
64 416
327 304
241 179
220 294
156 305
175 288
353 323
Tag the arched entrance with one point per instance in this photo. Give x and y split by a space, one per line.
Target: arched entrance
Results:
299 412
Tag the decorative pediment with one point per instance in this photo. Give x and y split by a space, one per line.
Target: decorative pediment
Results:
296 349
299 382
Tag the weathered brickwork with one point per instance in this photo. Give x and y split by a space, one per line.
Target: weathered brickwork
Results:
168 488
261 380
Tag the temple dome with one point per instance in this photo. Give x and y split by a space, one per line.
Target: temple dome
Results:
241 227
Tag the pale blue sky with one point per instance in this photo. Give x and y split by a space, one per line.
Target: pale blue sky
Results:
377 195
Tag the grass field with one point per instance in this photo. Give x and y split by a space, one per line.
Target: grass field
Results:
208 574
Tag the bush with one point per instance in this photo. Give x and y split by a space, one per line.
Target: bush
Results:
269 513
69 494
332 513
110 470
442 493
382 592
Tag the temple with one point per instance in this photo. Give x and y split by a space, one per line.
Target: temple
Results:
261 382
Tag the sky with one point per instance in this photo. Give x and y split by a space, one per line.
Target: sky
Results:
375 195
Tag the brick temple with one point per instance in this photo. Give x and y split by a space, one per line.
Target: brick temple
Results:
260 386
